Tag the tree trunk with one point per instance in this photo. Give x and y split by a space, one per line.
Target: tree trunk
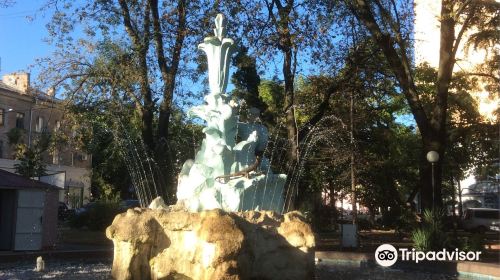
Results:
169 74
285 45
353 175
293 152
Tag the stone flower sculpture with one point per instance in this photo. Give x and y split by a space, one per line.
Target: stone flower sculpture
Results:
225 174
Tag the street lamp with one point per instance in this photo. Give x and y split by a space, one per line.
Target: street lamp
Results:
433 157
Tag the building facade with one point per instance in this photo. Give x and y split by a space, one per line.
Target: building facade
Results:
28 117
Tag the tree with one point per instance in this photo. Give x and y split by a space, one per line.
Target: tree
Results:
390 31
285 31
246 81
30 163
131 51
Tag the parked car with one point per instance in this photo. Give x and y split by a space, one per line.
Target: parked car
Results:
480 219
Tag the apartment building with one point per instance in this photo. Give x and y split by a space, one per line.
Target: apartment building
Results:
26 115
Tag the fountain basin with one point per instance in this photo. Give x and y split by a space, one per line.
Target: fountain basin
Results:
213 244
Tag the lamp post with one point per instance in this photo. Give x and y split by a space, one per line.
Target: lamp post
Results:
433 157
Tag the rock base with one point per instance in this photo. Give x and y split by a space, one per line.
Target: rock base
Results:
162 244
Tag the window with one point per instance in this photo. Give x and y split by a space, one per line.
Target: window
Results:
2 117
39 124
57 126
20 120
1 149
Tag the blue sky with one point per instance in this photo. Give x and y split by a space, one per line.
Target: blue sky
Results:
22 30
22 33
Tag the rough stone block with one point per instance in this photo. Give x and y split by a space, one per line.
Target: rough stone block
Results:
166 244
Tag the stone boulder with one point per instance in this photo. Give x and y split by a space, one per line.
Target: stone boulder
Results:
167 244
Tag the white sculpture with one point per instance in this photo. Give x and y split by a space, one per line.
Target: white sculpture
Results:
225 174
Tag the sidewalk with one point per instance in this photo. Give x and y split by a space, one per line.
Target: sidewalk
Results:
72 244
76 252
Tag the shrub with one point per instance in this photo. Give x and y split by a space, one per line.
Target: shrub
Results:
431 234
364 224
97 217
78 221
421 239
406 222
102 214
474 242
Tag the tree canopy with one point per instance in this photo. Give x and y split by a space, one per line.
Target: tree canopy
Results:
351 115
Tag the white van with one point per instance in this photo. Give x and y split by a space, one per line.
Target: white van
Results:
480 219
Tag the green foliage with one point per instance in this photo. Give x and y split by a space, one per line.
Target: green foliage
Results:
102 214
406 221
102 69
104 189
431 235
271 92
15 136
468 132
422 239
246 79
474 242
30 164
99 216
103 138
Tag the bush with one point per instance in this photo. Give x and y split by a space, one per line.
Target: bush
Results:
406 222
97 217
474 243
431 234
421 239
102 214
364 224
78 221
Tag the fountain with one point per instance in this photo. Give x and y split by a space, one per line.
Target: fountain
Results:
225 174
226 224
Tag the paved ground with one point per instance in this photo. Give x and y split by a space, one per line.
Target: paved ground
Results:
58 270
101 270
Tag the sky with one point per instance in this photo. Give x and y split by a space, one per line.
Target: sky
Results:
22 30
22 33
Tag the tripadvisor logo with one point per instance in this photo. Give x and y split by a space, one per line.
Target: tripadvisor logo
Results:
387 255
